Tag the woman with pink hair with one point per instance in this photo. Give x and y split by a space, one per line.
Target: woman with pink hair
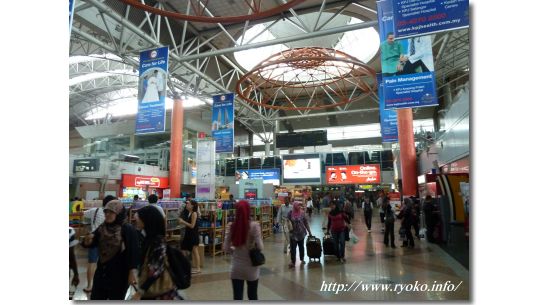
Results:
241 236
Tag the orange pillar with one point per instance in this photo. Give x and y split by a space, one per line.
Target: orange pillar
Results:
176 149
408 155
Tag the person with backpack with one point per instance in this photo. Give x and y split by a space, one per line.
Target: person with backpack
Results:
155 280
297 236
338 223
406 214
241 236
119 254
367 207
389 222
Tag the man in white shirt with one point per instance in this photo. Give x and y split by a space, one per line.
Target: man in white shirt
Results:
94 217
281 216
419 55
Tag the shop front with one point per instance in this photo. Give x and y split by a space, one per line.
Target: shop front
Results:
143 186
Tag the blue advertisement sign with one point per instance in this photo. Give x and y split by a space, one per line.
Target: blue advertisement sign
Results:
269 176
71 11
407 66
421 17
387 118
153 71
222 122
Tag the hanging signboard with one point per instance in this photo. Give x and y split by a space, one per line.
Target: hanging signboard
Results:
205 170
153 71
387 118
408 18
222 123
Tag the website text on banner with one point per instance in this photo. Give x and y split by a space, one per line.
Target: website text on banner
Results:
222 122
269 176
421 17
408 76
353 174
151 116
387 118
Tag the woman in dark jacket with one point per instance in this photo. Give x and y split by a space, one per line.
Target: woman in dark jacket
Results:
155 281
338 223
389 222
407 222
119 251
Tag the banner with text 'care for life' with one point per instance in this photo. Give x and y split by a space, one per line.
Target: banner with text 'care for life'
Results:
407 66
153 71
423 17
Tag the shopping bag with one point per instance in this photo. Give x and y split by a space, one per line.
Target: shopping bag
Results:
354 238
130 293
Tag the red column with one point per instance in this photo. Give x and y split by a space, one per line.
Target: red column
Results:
408 155
176 149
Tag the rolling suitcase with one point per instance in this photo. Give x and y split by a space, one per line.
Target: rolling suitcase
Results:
313 248
329 246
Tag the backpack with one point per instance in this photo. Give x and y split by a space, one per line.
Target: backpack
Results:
389 215
180 268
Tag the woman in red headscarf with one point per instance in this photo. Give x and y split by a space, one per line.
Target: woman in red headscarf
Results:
297 235
241 236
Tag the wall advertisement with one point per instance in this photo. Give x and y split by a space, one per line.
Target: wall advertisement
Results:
353 174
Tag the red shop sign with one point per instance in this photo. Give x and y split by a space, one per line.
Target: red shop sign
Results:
353 174
142 181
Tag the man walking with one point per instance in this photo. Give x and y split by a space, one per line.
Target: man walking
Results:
281 219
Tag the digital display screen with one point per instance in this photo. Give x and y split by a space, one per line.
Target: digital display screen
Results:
269 176
298 169
86 165
251 193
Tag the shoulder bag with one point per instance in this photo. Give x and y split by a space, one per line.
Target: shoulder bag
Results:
256 256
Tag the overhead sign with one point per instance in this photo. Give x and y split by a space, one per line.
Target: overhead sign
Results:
388 119
143 181
353 174
71 11
301 169
85 165
205 170
407 18
151 116
222 123
269 176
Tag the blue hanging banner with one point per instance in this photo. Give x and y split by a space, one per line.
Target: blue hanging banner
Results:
422 17
71 12
222 123
387 118
407 66
153 71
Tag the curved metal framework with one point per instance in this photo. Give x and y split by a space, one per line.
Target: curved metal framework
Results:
196 11
305 79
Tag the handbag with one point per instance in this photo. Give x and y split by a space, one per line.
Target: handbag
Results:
256 256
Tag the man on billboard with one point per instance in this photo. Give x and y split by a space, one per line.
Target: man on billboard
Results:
392 52
419 57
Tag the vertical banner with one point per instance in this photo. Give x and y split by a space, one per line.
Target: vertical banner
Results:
387 118
153 71
423 17
407 65
222 123
205 170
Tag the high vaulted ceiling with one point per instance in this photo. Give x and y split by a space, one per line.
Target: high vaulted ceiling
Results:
202 61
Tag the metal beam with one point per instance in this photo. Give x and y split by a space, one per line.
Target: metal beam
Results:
336 30
323 114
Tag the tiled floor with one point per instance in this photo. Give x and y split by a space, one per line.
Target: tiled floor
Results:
368 261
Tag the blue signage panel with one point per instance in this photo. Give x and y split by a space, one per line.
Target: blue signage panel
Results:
71 11
410 91
422 17
387 118
269 176
222 123
153 71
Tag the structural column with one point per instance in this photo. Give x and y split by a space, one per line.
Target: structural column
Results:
267 148
176 149
276 151
408 155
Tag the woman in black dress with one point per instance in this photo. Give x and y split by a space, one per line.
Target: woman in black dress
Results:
191 239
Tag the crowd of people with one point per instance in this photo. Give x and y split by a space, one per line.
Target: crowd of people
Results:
121 255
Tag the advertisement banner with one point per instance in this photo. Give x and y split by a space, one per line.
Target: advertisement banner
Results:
205 170
251 186
143 181
71 12
301 169
269 176
222 123
353 174
387 118
151 116
407 66
421 17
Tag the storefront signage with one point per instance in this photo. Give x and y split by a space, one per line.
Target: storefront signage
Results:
407 18
144 181
151 116
222 123
353 174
